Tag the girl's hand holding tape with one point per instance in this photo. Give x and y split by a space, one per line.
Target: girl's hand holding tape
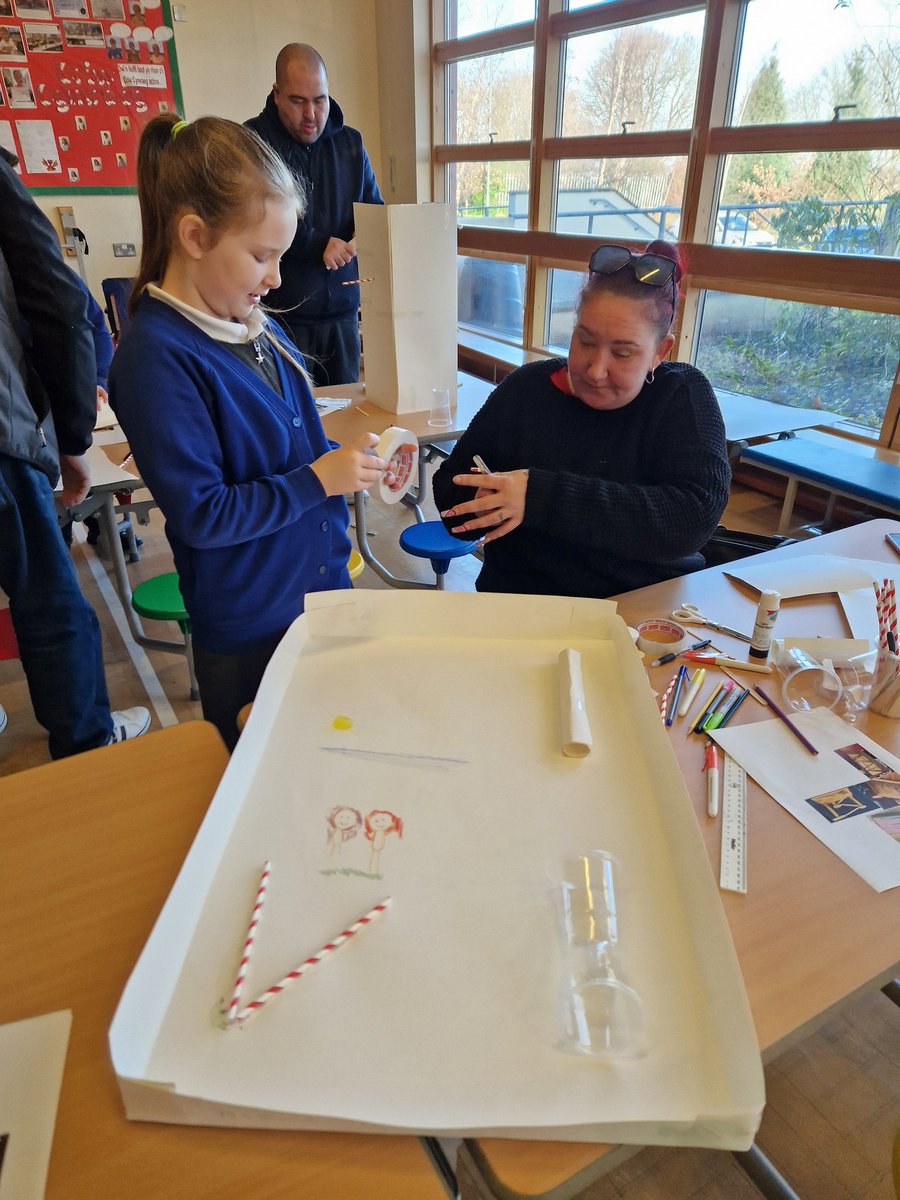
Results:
350 468
499 504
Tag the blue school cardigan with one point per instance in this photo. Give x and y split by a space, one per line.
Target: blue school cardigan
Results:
228 461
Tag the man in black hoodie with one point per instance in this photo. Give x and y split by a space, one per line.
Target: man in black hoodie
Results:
316 300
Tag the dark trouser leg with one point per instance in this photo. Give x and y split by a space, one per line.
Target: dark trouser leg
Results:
57 631
229 681
331 350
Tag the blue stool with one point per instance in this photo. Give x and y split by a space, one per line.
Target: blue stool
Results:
429 539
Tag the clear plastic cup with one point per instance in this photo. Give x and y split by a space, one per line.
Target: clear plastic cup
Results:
439 415
601 1014
808 683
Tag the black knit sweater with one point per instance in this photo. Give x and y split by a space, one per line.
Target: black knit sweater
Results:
616 500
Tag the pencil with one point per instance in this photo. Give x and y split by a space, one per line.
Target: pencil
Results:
350 282
715 714
782 716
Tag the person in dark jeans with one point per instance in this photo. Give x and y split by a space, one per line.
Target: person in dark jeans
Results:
48 400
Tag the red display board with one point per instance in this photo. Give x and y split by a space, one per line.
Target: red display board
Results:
78 81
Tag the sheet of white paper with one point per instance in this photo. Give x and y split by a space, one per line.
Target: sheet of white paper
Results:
458 981
106 418
329 404
857 814
859 609
811 574
32 1057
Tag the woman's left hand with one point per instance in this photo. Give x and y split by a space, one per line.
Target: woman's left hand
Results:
499 504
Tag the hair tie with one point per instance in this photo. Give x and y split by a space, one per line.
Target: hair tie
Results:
178 126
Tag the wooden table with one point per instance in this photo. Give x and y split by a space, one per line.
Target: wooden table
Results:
366 415
91 846
796 974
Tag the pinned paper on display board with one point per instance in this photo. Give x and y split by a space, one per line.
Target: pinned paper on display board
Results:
409 301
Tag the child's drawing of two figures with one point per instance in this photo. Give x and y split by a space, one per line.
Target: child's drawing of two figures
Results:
344 824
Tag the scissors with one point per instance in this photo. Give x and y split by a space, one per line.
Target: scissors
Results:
690 614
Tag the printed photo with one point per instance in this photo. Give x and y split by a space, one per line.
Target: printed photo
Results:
105 137
125 123
844 803
6 8
81 123
17 82
11 44
36 10
121 160
97 164
863 759
83 33
888 822
43 39
108 10
70 8
63 143
73 174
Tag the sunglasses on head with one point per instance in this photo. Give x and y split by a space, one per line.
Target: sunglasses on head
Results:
653 269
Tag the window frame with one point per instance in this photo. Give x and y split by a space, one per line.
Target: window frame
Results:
836 280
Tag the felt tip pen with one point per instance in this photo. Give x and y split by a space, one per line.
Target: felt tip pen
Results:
711 767
667 658
733 707
735 664
714 713
676 694
714 697
691 694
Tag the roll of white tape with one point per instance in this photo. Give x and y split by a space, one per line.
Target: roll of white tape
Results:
659 635
400 450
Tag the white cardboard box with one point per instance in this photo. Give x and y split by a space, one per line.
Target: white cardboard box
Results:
409 307
442 1016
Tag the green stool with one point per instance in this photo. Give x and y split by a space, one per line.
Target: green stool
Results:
159 599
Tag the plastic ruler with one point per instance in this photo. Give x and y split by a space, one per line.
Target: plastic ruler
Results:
733 862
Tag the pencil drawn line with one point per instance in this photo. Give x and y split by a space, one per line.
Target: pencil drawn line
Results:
426 761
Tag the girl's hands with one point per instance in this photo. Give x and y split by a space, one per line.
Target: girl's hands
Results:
350 468
499 504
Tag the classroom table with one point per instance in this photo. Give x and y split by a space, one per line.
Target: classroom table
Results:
90 849
748 419
796 976
365 415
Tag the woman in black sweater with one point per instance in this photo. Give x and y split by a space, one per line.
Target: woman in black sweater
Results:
609 469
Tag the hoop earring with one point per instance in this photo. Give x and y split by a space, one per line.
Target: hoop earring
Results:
651 374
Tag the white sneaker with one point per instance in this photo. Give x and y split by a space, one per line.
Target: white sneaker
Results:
129 723
3 718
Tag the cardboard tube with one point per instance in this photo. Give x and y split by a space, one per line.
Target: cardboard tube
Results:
576 730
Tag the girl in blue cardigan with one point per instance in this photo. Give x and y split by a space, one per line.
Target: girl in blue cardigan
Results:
217 408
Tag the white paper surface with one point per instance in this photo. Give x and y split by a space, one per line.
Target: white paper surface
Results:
811 574
443 1015
32 1057
859 831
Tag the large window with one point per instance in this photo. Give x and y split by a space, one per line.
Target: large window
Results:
763 134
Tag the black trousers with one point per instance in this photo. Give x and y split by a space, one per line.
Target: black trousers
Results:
331 348
229 681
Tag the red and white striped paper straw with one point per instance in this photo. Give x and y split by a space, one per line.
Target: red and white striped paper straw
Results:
664 699
313 959
889 596
232 1010
879 612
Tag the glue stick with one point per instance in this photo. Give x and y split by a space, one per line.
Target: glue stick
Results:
763 626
